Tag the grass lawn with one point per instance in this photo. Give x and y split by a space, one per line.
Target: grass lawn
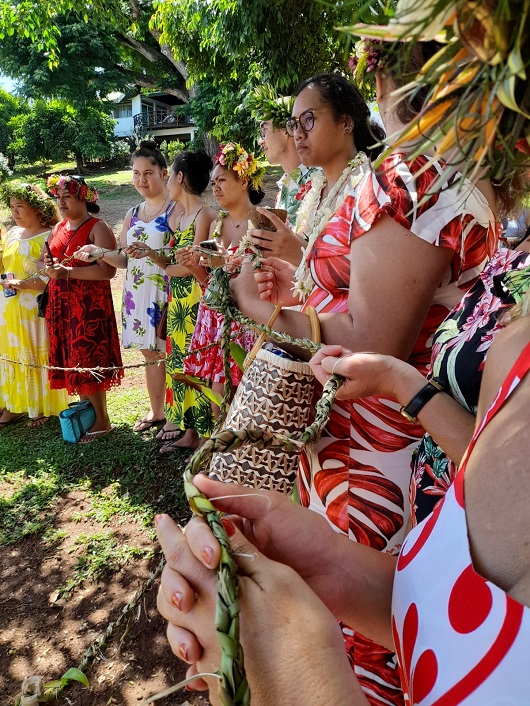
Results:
77 538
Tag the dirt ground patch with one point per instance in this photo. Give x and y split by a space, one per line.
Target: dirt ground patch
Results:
45 630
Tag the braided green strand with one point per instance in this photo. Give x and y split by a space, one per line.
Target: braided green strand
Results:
234 689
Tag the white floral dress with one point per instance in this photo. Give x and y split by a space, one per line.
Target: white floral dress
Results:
145 288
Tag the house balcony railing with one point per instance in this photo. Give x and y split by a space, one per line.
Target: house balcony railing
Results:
159 119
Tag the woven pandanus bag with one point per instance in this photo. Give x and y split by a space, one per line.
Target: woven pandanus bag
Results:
274 395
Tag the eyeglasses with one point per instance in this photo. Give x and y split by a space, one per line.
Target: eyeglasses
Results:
306 120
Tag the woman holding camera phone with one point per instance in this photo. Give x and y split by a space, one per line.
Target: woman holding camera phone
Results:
236 181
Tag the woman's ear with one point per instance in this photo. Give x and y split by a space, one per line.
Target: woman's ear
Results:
348 124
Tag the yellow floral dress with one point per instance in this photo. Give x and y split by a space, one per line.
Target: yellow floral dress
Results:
23 335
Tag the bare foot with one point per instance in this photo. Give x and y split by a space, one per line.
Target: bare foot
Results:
8 417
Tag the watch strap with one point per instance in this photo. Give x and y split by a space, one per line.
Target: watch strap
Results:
418 402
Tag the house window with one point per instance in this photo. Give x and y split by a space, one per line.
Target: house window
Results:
123 110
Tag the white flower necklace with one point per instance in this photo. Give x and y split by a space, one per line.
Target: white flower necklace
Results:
314 214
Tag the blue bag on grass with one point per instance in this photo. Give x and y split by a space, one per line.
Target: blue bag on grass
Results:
76 420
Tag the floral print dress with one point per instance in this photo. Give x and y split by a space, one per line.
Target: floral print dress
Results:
23 335
146 285
292 189
205 358
358 474
81 323
461 638
460 347
186 407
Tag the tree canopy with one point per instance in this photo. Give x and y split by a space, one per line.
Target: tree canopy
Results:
218 50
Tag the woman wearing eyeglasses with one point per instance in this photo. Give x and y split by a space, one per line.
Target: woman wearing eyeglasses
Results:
389 253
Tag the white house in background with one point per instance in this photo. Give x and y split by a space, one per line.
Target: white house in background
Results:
152 114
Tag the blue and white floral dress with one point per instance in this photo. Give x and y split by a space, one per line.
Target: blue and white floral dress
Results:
146 285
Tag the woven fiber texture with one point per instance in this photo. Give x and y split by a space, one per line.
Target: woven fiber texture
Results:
274 395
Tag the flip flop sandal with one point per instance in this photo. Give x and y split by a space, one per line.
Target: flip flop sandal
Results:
91 436
36 422
169 434
172 446
146 424
15 419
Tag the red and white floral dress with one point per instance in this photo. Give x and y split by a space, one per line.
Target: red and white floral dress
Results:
207 362
459 637
358 474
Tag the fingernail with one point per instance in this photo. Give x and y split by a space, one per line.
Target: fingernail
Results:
158 518
176 599
183 651
189 688
207 554
229 526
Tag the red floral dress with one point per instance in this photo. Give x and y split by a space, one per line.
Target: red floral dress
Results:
358 475
81 322
207 364
460 638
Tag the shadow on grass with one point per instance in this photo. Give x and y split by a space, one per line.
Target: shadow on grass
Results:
37 466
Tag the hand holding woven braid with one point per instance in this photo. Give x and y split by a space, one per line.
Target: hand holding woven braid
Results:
234 690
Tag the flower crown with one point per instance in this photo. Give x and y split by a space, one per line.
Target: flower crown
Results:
75 185
368 56
245 165
266 104
32 195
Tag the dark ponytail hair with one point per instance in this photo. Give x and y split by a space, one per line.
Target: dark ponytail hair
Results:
256 196
149 150
195 167
344 99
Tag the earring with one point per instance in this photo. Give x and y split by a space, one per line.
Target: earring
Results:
347 130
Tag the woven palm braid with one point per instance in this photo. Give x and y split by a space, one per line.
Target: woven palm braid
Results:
234 690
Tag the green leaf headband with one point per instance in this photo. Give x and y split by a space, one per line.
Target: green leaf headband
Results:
31 194
265 103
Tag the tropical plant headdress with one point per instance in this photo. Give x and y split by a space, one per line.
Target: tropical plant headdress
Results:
266 104
33 195
75 185
245 165
477 112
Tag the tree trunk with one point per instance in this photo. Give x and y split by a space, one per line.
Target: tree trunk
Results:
79 164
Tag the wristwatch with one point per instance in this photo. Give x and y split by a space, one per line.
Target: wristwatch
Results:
419 400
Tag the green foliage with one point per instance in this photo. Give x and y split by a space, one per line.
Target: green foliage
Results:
9 107
51 690
171 149
95 132
5 171
53 130
101 554
120 153
214 53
